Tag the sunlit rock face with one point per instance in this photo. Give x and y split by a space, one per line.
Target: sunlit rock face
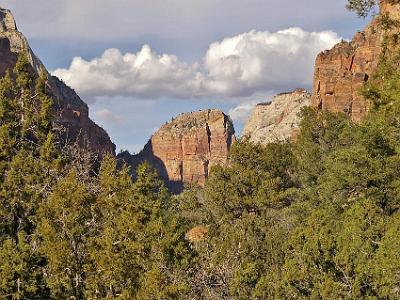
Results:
277 120
185 149
340 72
69 110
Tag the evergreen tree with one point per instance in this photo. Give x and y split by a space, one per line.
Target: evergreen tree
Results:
115 248
64 228
23 184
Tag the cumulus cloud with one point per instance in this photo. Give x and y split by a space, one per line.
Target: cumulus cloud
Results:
239 66
261 61
143 74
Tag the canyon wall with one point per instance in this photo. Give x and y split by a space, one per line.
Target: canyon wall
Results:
342 71
70 111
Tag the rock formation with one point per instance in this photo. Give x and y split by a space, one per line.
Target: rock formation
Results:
276 120
70 111
341 71
185 149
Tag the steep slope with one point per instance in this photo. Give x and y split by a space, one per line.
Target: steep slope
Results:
341 71
184 150
70 111
276 120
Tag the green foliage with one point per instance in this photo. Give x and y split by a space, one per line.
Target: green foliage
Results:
312 219
20 270
64 228
257 178
316 218
115 248
66 233
361 7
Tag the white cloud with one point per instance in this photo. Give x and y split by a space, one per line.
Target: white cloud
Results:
261 61
236 67
142 74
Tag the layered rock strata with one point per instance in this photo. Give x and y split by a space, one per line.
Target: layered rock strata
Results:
341 72
69 110
185 149
277 120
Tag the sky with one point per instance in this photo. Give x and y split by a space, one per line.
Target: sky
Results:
139 63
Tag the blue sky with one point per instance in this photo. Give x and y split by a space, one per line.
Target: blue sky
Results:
138 63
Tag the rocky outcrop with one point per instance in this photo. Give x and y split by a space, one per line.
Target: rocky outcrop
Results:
277 120
341 71
70 111
185 149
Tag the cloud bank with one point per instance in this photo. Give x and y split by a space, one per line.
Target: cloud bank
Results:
239 66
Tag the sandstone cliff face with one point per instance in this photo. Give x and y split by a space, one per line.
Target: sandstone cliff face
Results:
277 120
70 111
341 71
185 149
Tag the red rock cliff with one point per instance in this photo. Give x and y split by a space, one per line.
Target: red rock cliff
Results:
70 111
185 149
341 71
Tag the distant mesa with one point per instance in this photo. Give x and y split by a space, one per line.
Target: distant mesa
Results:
277 120
69 110
185 149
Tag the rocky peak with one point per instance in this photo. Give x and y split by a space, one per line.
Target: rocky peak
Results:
70 111
193 121
277 120
185 149
7 22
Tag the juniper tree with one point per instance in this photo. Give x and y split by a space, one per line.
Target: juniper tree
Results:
115 249
27 166
64 228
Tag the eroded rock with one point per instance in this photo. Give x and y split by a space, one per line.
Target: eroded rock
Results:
69 110
277 120
341 72
185 149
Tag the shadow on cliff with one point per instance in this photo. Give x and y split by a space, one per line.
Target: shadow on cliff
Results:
8 58
147 154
